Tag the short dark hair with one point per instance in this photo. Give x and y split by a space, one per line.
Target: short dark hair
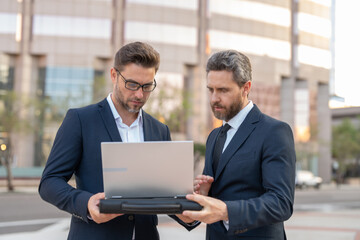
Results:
232 61
139 53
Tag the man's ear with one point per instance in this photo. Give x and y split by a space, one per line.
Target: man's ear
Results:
113 75
247 88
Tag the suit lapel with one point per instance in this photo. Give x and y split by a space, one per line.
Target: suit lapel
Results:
146 127
109 121
244 131
208 170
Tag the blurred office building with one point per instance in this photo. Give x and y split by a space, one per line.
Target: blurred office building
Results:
60 52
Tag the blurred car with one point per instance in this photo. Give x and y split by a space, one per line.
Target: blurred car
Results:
306 179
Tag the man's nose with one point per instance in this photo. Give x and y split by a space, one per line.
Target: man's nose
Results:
139 93
214 97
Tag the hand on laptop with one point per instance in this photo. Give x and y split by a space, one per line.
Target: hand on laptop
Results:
214 209
202 184
93 208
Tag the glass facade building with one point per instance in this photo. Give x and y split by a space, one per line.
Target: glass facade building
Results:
62 51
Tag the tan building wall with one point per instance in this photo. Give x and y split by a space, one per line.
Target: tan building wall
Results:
84 35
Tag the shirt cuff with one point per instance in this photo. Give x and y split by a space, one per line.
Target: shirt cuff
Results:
191 224
226 225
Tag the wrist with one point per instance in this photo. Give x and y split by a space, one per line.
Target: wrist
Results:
225 215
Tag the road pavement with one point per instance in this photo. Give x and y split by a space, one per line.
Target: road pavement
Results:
331 214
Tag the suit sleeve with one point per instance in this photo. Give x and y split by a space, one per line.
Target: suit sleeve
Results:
64 157
278 180
168 136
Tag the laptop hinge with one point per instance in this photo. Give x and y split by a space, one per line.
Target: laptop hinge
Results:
180 196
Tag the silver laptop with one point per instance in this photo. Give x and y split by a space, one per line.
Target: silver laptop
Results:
147 169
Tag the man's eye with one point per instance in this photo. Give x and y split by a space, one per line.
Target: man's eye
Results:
132 85
148 87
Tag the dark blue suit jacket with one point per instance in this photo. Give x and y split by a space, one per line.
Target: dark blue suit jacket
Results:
76 150
255 178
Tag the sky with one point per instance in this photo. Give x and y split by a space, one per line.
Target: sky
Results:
347 51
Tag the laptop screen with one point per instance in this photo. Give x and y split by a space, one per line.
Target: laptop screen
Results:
147 169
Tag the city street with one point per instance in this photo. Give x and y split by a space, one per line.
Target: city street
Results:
329 213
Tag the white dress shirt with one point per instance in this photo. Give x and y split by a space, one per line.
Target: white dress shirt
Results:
134 133
235 123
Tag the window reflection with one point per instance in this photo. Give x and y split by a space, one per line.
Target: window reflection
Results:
302 112
252 10
161 33
185 4
72 26
315 25
6 73
7 23
250 44
70 86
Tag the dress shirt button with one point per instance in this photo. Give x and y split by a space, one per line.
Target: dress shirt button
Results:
131 217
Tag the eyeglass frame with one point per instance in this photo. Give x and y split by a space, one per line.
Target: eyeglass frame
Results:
138 84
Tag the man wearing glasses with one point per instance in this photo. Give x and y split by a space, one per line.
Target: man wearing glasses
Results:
76 150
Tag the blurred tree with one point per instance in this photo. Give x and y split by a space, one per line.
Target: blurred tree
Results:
10 110
99 87
307 151
13 108
345 145
172 106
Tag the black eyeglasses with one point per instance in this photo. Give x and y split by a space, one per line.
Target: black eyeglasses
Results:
134 86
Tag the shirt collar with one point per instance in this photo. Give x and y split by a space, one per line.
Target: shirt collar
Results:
116 115
239 118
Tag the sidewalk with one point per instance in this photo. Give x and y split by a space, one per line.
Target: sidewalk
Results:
311 221
338 225
31 185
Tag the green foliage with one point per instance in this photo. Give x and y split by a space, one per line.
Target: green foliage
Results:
171 106
10 110
200 148
23 115
305 153
345 145
346 141
99 88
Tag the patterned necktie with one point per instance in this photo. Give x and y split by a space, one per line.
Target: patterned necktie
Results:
219 145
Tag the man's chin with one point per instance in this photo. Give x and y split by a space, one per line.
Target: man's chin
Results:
219 115
134 110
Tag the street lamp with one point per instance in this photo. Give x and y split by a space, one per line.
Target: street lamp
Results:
3 147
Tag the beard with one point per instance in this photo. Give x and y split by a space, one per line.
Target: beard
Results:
229 112
120 99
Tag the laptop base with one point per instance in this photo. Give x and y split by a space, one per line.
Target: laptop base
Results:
148 206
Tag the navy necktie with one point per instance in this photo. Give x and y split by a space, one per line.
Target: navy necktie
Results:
219 145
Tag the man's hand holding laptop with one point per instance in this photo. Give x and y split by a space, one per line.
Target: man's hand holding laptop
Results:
94 211
214 210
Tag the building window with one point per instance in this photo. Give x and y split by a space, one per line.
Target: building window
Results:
161 33
8 23
72 26
6 73
70 86
302 111
256 11
184 4
250 44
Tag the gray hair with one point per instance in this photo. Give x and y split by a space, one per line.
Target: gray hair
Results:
232 61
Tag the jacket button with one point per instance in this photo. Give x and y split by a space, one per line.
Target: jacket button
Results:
131 217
